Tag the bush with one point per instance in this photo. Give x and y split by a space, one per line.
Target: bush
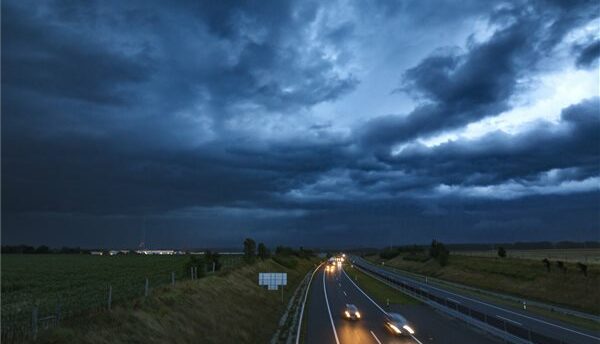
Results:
195 262
501 252
583 268
561 266
212 257
547 264
421 258
287 261
389 253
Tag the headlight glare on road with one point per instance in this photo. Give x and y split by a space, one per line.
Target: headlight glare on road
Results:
397 330
407 328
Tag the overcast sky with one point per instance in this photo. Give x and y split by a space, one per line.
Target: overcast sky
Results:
316 123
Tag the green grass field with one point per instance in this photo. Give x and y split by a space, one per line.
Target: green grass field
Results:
79 283
228 307
381 292
526 278
573 255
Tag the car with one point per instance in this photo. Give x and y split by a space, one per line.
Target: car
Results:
397 324
351 312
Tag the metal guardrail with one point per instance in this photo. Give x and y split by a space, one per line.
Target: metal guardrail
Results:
528 302
489 323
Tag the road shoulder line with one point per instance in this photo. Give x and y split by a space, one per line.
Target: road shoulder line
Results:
329 310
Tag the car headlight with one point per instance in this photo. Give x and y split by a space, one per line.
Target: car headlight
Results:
397 330
347 314
407 328
357 314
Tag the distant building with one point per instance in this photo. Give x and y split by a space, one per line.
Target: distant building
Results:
155 252
96 253
115 252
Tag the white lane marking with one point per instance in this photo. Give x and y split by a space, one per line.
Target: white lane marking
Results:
512 321
453 300
339 284
304 303
374 336
329 310
504 310
345 293
375 303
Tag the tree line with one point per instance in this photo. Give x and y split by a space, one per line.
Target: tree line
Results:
42 249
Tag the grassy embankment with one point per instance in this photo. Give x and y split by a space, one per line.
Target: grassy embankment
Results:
379 291
518 277
573 255
228 307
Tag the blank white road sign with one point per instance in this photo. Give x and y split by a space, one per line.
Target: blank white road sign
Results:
272 279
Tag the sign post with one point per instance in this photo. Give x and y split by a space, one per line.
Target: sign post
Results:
273 280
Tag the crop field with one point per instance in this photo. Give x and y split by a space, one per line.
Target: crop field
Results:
573 255
71 284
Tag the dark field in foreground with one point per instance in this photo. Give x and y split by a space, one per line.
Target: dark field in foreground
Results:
80 283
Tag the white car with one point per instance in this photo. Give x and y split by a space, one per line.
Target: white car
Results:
351 312
397 324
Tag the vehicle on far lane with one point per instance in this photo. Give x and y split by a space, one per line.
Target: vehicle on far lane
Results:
397 324
351 312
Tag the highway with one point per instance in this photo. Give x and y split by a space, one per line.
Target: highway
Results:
331 291
517 322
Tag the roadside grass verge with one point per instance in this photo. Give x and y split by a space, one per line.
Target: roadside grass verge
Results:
569 319
378 290
228 307
513 276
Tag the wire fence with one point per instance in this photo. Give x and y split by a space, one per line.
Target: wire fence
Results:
506 329
24 317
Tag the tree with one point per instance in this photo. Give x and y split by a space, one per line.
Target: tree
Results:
263 251
443 257
583 268
561 266
439 252
42 249
212 258
501 252
197 262
249 250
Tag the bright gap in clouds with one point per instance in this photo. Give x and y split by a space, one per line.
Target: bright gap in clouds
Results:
552 93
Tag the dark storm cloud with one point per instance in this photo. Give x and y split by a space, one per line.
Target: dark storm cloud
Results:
498 157
117 112
588 54
459 88
52 62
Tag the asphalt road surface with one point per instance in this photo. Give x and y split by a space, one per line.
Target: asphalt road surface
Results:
331 291
554 331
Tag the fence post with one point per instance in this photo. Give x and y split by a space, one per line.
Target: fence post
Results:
173 278
146 288
34 322
192 272
58 313
109 296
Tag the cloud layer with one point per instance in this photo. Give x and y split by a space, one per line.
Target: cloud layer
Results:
209 122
